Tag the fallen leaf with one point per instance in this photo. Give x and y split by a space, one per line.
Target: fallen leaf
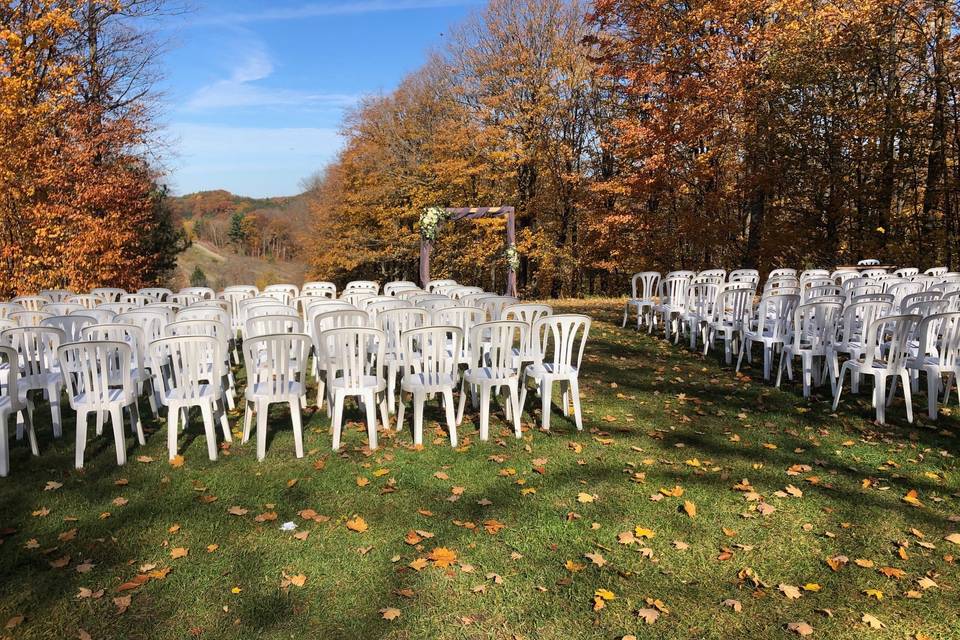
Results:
800 628
872 622
790 591
179 552
442 557
357 524
390 613
733 604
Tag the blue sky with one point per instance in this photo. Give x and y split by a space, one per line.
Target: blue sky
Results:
255 91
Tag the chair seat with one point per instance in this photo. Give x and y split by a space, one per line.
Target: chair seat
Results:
367 383
550 369
203 392
490 374
428 382
114 396
268 391
640 302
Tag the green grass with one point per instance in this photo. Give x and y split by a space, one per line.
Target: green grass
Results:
649 408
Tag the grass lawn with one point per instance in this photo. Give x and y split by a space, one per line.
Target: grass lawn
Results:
699 504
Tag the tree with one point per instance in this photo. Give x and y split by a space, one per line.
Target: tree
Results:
198 278
238 230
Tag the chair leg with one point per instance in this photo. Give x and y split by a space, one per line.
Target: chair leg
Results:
224 422
463 402
337 419
320 389
908 394
880 388
451 416
418 401
391 386
401 410
31 433
173 418
116 421
485 392
780 367
297 428
523 393
4 446
545 399
933 391
838 388
206 410
54 392
137 423
575 392
384 411
262 410
247 421
81 438
152 399
626 310
515 405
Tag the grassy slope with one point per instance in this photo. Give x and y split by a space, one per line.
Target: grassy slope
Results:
225 268
667 407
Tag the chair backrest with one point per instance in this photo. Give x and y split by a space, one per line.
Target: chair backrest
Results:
71 325
433 284
456 293
62 308
234 296
528 312
96 368
319 289
323 305
432 304
814 324
814 274
560 339
734 304
393 322
426 352
362 286
494 305
115 307
204 313
492 343
857 317
901 290
108 294
150 320
37 349
775 312
408 294
56 295
643 285
88 300
119 332
869 262
356 296
673 291
935 271
871 297
31 303
156 294
815 293
29 318
376 308
463 317
266 325
751 276
920 296
906 272
276 309
99 314
193 361
200 327
6 308
184 299
926 308
398 285
136 299
285 293
953 300
873 273
780 273
10 384
887 341
346 351
842 275
204 293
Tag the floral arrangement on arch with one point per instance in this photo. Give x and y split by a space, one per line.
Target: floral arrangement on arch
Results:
513 257
430 221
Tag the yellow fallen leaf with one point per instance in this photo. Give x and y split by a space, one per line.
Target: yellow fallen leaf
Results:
690 509
179 552
390 613
583 497
357 524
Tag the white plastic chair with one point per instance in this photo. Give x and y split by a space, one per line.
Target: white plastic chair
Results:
333 319
394 286
559 341
811 330
494 367
906 272
196 370
70 325
319 289
350 372
276 373
39 366
458 292
269 324
219 332
100 315
643 288
429 367
434 284
698 310
937 354
769 328
108 294
935 271
139 371
885 356
156 294
393 323
12 404
7 308
100 383
62 308
29 318
204 293
362 286
88 300
731 315
136 299
31 303
285 293
56 295
494 305
672 302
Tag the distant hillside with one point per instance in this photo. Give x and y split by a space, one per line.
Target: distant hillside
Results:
264 245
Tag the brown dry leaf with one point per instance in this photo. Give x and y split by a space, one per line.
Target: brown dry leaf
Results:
573 567
493 526
872 622
83 635
690 508
892 572
122 603
837 562
268 516
418 564
52 485
119 501
733 604
800 628
790 591
357 524
60 563
953 537
626 537
442 557
14 622
596 558
179 552
144 459
390 613
862 562
912 499
66 536
237 511
649 616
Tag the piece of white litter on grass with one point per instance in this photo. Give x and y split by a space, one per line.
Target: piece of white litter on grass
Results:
288 526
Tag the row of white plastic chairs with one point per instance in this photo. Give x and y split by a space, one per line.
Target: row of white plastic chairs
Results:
183 358
887 329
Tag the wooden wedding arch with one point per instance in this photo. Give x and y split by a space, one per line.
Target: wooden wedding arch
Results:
473 213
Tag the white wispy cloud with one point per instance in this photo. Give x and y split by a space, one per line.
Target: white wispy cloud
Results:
319 9
240 90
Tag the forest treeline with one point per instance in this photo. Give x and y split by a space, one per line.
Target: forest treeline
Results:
80 201
636 134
